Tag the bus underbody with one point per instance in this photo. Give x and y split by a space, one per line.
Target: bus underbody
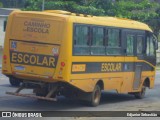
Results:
49 91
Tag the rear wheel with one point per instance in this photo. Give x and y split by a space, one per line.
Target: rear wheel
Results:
95 96
141 94
14 82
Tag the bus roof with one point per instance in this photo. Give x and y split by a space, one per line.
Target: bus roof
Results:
95 20
114 22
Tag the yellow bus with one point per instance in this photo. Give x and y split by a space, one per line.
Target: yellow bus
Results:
57 52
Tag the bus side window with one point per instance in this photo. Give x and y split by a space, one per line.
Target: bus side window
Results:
113 42
98 47
147 46
139 45
81 36
130 44
113 38
150 46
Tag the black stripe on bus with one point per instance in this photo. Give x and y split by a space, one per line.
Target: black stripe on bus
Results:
97 67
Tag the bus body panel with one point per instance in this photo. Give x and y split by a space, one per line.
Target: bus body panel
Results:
33 44
121 81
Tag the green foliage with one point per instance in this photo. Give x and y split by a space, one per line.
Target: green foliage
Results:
138 9
34 5
141 10
74 7
13 3
68 5
1 5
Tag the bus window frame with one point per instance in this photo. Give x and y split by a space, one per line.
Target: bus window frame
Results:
122 39
105 39
136 33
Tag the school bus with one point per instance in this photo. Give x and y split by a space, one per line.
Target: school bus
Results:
57 52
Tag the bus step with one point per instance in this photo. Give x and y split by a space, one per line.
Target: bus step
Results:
31 96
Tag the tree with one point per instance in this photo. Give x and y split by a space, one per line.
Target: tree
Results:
155 24
13 3
141 10
1 5
68 5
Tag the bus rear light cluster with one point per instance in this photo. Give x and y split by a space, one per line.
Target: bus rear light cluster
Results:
5 70
61 68
62 64
5 58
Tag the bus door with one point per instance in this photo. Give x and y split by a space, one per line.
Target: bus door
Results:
140 56
129 63
145 51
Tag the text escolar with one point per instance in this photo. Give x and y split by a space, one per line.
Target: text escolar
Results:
31 59
111 67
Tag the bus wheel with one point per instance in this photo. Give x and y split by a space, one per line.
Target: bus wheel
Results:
14 82
95 96
141 94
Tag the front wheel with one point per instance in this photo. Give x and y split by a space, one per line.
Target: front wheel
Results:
95 96
14 82
141 94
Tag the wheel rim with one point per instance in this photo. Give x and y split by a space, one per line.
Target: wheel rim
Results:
143 91
96 96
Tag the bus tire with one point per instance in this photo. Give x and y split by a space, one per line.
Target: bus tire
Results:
14 82
141 94
95 96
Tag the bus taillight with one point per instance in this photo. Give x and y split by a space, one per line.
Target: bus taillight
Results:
5 57
62 64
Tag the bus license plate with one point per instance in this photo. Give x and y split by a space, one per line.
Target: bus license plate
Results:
19 68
